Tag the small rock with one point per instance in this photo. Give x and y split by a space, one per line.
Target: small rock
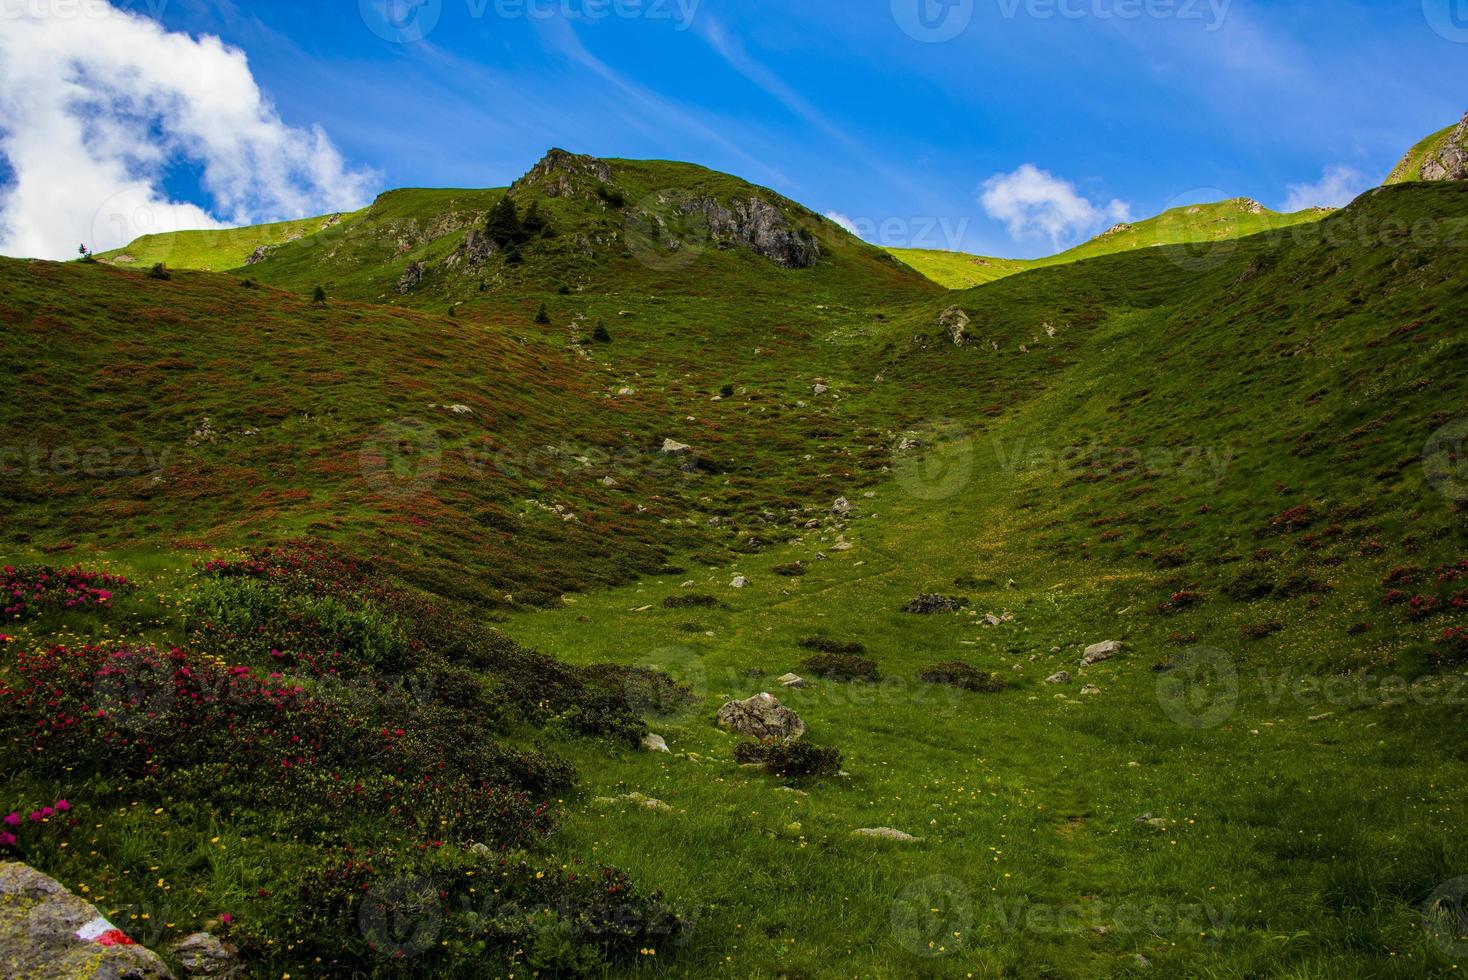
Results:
671 447
1090 689
203 955
1061 678
461 410
792 680
609 481
820 389
1147 820
1321 717
842 506
739 582
842 544
1097 652
654 743
637 799
885 833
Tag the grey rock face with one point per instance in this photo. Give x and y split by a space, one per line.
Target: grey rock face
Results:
45 931
260 254
955 322
1450 162
412 277
759 226
761 716
563 174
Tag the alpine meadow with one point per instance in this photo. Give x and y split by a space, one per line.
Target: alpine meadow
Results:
631 569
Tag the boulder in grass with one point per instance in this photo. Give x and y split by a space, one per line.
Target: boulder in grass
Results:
1063 677
46 931
1097 652
761 716
204 955
886 833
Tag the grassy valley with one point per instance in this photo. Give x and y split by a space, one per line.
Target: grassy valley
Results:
421 559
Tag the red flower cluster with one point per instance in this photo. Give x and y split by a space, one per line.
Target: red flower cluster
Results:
14 822
33 589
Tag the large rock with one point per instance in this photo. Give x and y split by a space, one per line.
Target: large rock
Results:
46 931
760 227
954 322
761 716
563 174
203 955
1097 652
412 277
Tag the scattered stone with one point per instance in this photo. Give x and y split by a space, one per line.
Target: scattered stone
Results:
842 507
792 680
637 799
672 447
45 931
1061 678
739 582
885 833
1147 820
203 955
761 716
1321 717
1090 689
820 388
1097 652
609 481
654 743
461 409
842 544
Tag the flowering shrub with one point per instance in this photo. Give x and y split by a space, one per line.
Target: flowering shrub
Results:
1452 645
1179 601
14 827
33 589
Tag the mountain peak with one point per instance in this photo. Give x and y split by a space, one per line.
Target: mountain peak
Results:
1442 156
561 173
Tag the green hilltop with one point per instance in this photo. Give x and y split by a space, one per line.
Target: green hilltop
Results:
1197 225
522 486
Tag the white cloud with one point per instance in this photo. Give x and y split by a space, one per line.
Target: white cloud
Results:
97 103
1034 203
848 223
1337 187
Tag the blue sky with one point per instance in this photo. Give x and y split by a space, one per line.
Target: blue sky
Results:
861 108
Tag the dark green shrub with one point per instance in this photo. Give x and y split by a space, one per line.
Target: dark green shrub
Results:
841 667
959 674
600 334
692 600
646 691
1249 585
792 570
790 758
824 644
159 271
542 315
318 295
933 603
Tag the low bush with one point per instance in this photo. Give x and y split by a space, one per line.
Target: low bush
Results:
824 644
646 691
782 757
962 675
31 590
692 600
933 603
841 667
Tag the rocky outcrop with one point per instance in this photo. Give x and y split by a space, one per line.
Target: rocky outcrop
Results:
760 227
955 322
1443 156
761 716
46 931
260 254
412 277
204 955
563 174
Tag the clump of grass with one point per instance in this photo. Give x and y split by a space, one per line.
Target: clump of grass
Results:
824 644
956 673
842 667
692 600
782 757
933 603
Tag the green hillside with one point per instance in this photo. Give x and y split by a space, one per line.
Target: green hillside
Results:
216 250
1200 226
664 419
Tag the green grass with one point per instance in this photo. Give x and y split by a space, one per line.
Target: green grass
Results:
1410 168
1122 443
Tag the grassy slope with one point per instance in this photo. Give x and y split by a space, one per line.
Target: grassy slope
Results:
215 250
1277 354
1194 225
